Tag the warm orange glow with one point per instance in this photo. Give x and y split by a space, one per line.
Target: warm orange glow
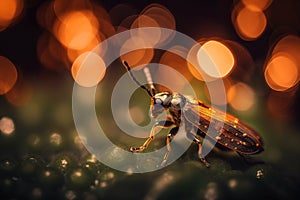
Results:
8 75
88 69
77 29
249 21
175 58
148 37
144 21
257 5
73 53
290 45
51 53
240 96
171 78
20 94
142 55
9 10
218 93
250 24
7 126
161 15
194 66
215 59
61 7
281 72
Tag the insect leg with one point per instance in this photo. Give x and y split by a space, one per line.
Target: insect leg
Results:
157 125
201 157
191 136
170 136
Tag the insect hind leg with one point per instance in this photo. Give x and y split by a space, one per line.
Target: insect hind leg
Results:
199 143
170 136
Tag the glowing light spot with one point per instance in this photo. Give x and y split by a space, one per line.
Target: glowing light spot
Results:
240 96
55 139
257 5
60 7
88 69
215 59
193 64
149 37
260 174
174 58
9 10
232 183
74 53
20 94
211 191
249 24
78 173
7 126
76 29
8 75
163 17
134 58
218 96
171 77
281 72
64 163
47 173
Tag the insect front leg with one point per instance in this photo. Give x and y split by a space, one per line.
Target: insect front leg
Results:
161 124
191 136
170 136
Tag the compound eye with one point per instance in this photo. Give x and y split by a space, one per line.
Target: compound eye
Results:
158 101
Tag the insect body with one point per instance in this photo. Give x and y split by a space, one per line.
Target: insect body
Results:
227 131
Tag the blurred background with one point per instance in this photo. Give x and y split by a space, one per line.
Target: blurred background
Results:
254 43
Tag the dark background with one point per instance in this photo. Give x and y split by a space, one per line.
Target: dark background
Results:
198 19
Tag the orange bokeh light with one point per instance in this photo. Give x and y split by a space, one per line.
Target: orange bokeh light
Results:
257 5
88 69
250 24
194 66
249 19
215 59
281 72
210 61
76 29
137 55
218 92
60 7
161 15
149 37
74 53
9 10
175 58
20 94
240 96
8 75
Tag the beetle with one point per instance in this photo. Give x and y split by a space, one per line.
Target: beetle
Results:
197 117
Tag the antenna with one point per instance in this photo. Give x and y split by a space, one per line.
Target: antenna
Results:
149 80
136 81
